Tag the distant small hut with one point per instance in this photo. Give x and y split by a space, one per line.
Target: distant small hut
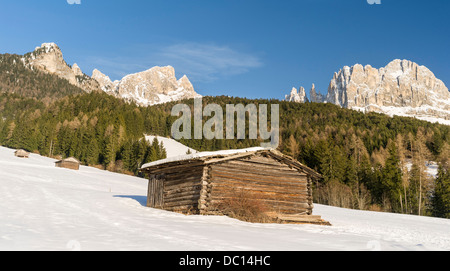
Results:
201 183
22 154
70 163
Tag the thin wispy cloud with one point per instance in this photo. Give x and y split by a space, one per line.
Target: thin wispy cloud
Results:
200 62
208 62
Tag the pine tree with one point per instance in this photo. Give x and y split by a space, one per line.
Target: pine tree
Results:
162 151
141 152
109 153
332 161
440 203
392 178
444 156
153 151
93 152
128 156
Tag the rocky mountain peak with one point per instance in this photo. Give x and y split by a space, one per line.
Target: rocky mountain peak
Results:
185 83
104 81
49 58
401 83
98 74
297 96
76 70
48 48
402 87
155 85
315 96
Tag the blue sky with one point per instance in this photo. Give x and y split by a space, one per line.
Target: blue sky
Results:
246 48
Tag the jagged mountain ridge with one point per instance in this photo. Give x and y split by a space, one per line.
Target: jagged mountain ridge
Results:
401 88
153 86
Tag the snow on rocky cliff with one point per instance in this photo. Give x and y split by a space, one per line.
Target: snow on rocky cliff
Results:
402 88
154 86
297 96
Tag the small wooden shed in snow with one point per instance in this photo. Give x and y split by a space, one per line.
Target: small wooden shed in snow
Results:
22 153
70 163
195 183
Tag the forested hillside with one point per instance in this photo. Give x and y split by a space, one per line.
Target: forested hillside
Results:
96 128
15 77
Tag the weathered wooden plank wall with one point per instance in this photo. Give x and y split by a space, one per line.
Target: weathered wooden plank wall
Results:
155 198
280 188
182 186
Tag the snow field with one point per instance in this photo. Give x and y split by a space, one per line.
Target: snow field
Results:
49 208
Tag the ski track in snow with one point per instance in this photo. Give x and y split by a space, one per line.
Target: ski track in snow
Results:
49 208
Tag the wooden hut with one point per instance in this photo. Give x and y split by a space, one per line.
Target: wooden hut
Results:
70 163
197 183
22 154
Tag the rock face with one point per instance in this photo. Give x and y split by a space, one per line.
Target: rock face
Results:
104 81
298 97
49 58
401 88
154 86
401 83
315 96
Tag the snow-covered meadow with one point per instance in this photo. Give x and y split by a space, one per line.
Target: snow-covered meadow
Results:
172 147
47 208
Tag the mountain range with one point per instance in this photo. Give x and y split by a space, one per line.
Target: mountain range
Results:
401 88
153 86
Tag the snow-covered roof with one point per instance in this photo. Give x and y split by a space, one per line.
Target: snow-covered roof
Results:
201 155
70 159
